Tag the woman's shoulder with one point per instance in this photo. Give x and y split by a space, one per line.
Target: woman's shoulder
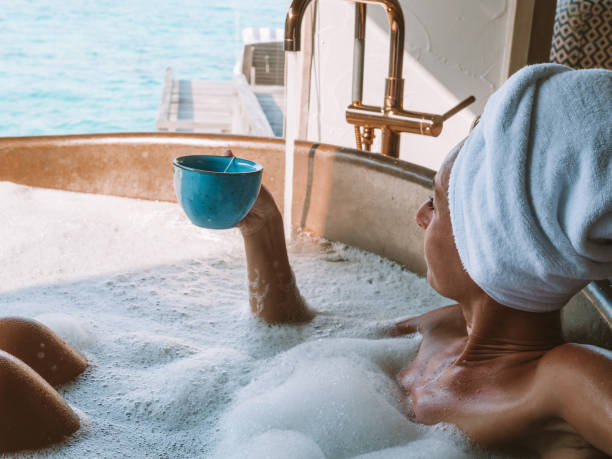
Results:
575 365
571 368
574 382
443 320
573 356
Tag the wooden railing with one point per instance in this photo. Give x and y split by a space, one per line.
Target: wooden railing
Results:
164 105
247 116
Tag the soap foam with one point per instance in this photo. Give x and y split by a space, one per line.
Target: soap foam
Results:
339 403
279 444
180 368
74 332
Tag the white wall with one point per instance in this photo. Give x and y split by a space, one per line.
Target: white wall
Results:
453 48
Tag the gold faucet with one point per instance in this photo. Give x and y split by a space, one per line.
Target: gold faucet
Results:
391 119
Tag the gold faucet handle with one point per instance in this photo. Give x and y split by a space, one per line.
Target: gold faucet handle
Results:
457 108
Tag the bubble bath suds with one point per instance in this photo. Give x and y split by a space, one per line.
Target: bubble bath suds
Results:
179 367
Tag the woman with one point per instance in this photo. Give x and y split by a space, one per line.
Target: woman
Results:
520 220
33 359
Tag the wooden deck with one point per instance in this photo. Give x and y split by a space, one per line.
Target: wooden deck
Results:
221 107
272 102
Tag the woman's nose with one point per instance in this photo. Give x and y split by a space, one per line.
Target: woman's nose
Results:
422 216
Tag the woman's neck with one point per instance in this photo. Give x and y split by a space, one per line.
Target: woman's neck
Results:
496 331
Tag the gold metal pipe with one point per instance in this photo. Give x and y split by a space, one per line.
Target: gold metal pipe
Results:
391 118
394 87
368 108
399 120
293 32
360 17
430 125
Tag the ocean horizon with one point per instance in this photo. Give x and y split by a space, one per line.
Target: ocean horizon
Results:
76 67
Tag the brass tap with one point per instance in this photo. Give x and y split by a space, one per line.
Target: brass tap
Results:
399 120
395 83
392 119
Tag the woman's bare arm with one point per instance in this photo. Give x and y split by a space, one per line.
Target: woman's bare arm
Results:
579 380
447 316
273 293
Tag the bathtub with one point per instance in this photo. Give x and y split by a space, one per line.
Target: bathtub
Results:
341 194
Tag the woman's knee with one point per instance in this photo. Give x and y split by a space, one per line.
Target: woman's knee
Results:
42 349
33 413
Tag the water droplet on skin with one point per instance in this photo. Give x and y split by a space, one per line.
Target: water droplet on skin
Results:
40 355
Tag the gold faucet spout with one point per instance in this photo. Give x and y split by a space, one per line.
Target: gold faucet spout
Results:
293 28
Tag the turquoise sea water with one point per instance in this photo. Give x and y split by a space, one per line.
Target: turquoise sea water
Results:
84 66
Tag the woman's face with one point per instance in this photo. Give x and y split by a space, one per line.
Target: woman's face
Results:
445 272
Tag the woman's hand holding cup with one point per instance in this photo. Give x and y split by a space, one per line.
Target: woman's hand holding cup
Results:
263 212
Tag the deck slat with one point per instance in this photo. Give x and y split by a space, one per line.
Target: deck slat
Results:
220 107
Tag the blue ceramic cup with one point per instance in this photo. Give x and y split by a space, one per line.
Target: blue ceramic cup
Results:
212 194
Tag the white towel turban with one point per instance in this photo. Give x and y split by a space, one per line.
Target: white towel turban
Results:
530 193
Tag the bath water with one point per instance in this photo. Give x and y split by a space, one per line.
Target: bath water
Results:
178 367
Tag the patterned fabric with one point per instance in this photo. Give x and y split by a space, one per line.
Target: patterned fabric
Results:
582 35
